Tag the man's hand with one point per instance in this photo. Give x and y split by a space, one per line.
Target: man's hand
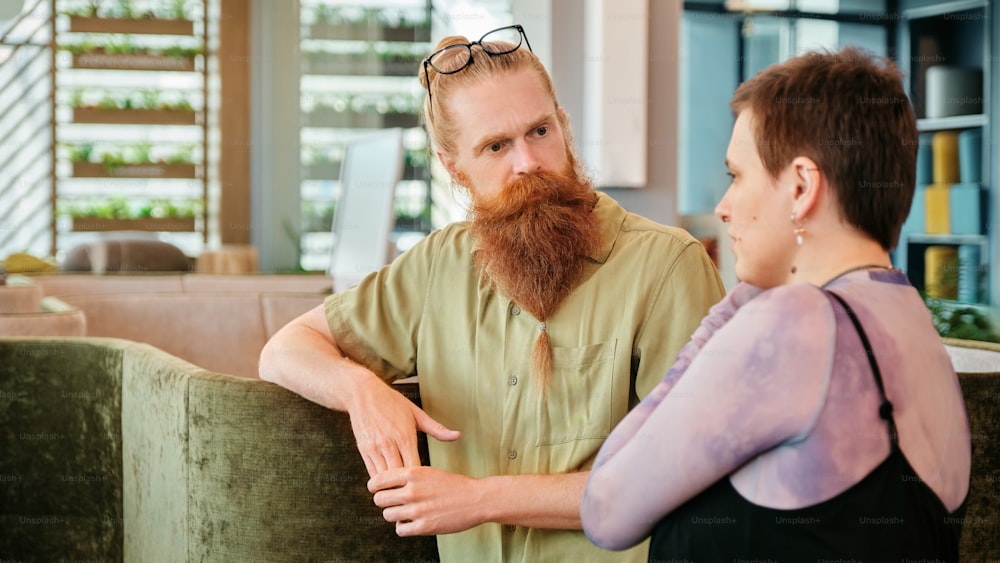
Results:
385 425
426 501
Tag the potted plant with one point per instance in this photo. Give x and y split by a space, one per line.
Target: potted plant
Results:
335 22
961 320
122 17
400 62
118 213
416 165
403 111
138 107
121 54
405 25
135 161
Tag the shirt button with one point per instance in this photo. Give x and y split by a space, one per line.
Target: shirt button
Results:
510 527
512 454
512 380
515 310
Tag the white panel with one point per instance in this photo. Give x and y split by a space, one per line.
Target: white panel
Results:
373 165
614 143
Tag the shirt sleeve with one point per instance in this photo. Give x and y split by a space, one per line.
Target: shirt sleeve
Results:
758 381
690 288
376 322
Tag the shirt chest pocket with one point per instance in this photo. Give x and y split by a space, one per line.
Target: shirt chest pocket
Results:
577 403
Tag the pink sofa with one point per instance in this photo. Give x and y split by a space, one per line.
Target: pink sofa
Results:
218 322
26 311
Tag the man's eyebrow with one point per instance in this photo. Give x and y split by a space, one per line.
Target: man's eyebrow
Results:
493 136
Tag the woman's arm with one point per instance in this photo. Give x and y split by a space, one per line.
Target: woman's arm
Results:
758 381
716 318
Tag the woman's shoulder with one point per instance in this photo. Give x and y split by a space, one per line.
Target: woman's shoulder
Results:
797 300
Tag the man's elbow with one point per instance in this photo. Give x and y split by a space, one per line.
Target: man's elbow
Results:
267 364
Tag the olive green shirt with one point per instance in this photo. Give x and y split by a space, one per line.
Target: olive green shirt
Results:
431 313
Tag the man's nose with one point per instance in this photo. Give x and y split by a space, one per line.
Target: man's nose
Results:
526 160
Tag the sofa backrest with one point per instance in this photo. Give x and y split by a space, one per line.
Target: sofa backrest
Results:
219 322
115 450
978 367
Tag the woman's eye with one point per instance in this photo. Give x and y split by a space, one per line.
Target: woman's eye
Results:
495 147
731 175
542 131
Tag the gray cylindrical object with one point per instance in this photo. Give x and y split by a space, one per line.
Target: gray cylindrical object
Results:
954 90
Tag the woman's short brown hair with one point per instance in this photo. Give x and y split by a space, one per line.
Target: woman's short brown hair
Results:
847 111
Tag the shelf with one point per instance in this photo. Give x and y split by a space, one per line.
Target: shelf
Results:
165 224
152 170
149 26
362 64
134 116
953 122
359 120
946 239
943 8
363 31
132 61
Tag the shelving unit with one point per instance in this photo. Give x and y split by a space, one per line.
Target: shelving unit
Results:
359 69
958 35
131 126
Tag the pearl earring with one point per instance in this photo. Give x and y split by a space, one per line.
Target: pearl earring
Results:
799 230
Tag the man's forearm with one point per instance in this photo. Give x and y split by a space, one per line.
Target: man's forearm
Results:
537 501
302 361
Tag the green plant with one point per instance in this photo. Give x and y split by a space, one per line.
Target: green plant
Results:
76 98
79 48
142 153
176 10
183 155
123 9
150 98
119 207
108 102
961 321
326 14
88 10
112 160
179 52
82 152
121 45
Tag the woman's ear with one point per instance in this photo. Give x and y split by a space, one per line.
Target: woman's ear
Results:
808 181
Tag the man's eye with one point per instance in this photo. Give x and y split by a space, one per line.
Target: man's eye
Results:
542 131
495 147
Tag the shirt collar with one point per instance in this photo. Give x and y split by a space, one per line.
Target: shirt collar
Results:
609 216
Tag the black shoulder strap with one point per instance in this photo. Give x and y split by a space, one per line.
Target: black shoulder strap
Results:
885 410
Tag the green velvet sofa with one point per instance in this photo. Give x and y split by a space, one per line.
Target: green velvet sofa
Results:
112 450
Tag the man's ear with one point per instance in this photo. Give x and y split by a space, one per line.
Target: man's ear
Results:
807 183
449 164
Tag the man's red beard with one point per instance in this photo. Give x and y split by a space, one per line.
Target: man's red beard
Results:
533 241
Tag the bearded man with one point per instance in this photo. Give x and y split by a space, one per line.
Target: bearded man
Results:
534 326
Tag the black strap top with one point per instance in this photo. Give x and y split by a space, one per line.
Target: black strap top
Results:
890 515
